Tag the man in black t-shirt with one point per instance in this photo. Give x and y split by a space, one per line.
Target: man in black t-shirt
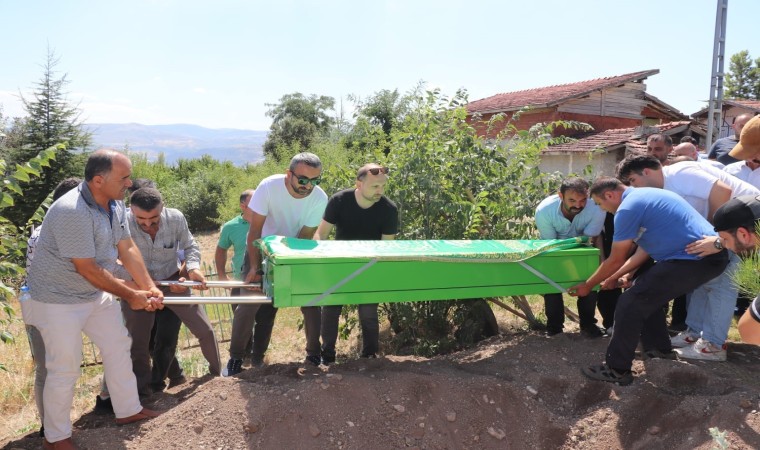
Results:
360 213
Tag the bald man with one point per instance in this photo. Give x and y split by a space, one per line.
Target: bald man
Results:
722 146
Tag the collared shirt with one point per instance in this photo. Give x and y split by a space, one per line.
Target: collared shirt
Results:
743 172
160 254
234 234
552 224
75 226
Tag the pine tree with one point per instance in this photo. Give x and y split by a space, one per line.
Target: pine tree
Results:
742 78
50 120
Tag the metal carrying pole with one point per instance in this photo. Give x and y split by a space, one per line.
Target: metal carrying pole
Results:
249 300
220 284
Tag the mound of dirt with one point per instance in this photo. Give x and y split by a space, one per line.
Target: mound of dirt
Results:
517 391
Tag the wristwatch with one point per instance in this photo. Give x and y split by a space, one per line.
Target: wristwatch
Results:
718 244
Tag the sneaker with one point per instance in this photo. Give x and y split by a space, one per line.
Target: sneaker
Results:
592 332
313 360
684 339
704 350
103 405
655 354
603 372
234 367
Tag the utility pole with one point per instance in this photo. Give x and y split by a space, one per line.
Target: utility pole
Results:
715 112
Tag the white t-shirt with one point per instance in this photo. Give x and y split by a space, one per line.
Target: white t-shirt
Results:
694 181
743 172
285 214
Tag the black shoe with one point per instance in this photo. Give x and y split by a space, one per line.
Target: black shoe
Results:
313 360
234 367
42 431
103 406
604 372
550 333
173 382
592 332
328 359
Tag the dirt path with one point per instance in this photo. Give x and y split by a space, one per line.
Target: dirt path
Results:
520 391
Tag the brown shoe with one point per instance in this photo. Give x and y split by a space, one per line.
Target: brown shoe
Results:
144 413
66 444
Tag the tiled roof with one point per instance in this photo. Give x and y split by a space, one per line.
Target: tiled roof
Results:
551 95
609 139
749 104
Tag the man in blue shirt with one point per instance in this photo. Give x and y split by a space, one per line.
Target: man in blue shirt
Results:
662 224
564 215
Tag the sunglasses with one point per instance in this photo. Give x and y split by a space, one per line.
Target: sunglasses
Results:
303 181
378 170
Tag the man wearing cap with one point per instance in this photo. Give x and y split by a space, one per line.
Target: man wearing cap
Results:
721 149
569 214
362 213
662 224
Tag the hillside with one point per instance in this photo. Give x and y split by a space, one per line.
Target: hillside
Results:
181 141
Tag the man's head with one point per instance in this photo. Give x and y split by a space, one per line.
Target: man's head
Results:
245 199
689 140
65 186
749 141
370 181
736 223
641 171
739 122
607 192
146 205
686 149
573 192
660 146
107 173
139 183
304 173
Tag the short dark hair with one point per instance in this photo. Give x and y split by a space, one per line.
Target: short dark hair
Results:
146 199
689 140
636 164
139 183
661 137
575 184
310 159
246 194
604 184
65 186
99 163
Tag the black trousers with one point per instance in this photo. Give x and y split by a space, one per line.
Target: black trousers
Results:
640 313
606 303
554 308
164 348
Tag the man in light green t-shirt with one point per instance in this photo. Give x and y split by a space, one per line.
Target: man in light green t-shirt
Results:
233 235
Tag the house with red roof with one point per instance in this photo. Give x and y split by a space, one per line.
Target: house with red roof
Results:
618 108
731 109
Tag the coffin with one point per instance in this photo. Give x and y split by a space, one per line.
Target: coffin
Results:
300 272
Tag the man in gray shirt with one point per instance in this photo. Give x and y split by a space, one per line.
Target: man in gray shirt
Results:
73 290
159 233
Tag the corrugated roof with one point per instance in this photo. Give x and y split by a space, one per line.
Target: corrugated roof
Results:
551 95
609 139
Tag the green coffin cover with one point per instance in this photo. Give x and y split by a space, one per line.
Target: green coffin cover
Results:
301 272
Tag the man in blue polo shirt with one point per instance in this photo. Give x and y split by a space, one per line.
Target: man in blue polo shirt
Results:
564 215
663 225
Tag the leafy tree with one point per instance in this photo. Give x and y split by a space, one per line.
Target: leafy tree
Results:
298 119
375 119
742 79
13 238
51 120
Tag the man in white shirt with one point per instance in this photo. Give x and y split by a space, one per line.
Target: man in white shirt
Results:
705 188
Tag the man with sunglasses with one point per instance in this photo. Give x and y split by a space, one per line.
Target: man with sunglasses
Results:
291 205
360 213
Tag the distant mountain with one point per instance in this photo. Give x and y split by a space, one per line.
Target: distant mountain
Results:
181 141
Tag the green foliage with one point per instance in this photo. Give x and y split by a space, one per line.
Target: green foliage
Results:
12 238
298 119
747 274
51 120
719 439
743 77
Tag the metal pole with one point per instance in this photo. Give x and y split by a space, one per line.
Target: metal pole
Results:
716 82
220 284
250 300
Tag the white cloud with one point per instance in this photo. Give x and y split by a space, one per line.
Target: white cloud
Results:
200 90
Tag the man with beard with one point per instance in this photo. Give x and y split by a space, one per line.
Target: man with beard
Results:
291 205
564 215
362 213
159 232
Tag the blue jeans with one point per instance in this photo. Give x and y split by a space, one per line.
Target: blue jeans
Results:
711 306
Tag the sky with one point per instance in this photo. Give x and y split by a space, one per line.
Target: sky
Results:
219 63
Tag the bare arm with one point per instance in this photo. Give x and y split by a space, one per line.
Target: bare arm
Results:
307 232
220 259
323 231
254 256
719 194
636 260
749 329
618 256
133 262
104 280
